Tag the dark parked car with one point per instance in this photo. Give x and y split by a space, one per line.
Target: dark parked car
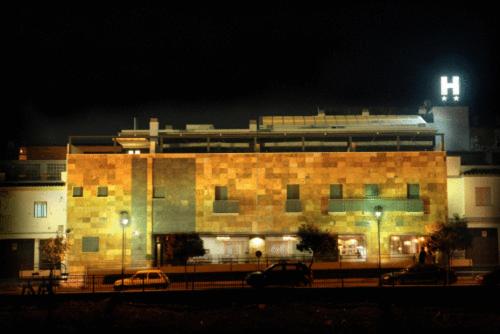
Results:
419 274
281 274
491 278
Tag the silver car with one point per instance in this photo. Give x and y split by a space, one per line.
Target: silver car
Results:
143 279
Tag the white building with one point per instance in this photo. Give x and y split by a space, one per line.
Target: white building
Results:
32 210
474 194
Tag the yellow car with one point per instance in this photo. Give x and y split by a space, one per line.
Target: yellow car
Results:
143 279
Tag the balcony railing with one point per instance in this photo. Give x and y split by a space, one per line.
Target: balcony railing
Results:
226 206
32 171
293 205
367 204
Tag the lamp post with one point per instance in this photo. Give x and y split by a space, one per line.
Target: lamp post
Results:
378 210
124 220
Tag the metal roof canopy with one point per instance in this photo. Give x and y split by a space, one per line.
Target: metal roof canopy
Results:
343 120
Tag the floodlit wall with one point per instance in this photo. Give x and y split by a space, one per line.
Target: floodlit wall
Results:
456 197
169 193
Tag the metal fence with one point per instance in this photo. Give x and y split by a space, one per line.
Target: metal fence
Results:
203 280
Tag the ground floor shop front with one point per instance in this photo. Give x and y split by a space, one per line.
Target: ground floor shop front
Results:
237 248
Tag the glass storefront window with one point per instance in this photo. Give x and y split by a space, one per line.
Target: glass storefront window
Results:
406 244
352 247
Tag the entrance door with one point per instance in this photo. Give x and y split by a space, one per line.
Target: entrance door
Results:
16 254
484 248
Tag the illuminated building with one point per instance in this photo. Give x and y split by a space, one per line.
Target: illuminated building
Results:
245 190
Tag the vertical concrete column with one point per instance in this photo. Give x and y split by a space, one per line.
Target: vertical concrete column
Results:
149 209
36 255
43 171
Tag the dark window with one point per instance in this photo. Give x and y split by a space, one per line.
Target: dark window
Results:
483 196
371 190
220 193
292 191
77 191
54 171
102 191
413 190
90 244
159 192
335 191
40 210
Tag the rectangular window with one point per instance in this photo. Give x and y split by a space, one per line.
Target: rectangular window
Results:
406 244
371 190
54 171
483 196
292 191
220 193
352 247
40 210
90 244
413 190
102 191
336 191
77 191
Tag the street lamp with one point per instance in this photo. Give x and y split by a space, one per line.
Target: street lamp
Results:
124 220
378 210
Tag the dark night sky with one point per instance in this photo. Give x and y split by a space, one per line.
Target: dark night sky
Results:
84 70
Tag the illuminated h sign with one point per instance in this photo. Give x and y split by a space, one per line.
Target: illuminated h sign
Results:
454 85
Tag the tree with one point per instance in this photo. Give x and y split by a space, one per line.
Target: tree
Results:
317 242
186 245
53 251
450 237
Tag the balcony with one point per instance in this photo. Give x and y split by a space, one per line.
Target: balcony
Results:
19 172
226 206
415 205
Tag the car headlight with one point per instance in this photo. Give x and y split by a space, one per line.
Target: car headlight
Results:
386 277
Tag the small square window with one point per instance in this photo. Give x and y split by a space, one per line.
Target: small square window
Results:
413 190
90 244
292 191
220 193
102 191
371 190
77 191
483 196
336 191
40 210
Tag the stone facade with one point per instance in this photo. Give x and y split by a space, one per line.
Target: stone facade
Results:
176 193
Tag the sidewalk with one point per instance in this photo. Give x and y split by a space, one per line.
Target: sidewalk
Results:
246 267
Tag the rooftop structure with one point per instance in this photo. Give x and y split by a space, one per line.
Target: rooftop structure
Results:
32 172
316 133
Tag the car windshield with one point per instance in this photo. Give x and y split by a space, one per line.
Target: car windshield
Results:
275 267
